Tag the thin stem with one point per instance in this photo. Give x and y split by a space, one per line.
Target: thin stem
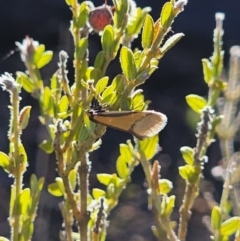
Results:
18 172
191 190
83 171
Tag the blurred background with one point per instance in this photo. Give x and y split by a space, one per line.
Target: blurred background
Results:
179 74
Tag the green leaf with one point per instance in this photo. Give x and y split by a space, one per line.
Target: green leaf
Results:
186 172
24 117
230 226
187 154
54 82
39 50
47 146
207 70
22 153
128 63
126 153
63 105
121 9
33 184
122 168
149 147
170 204
100 60
27 83
83 15
72 177
135 27
147 33
5 162
25 200
59 182
216 218
165 186
97 193
171 42
46 99
3 239
27 230
101 84
44 59
119 83
70 2
54 190
82 48
167 15
196 102
104 178
108 40
137 102
108 95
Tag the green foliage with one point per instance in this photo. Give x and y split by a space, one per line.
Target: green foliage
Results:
72 134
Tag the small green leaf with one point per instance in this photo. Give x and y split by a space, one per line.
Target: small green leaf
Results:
27 230
54 82
63 105
47 146
44 59
100 60
186 172
119 83
101 84
170 204
39 50
128 63
97 193
165 186
33 184
27 83
22 153
167 15
24 116
70 2
187 154
196 102
54 190
149 147
137 102
230 226
122 168
25 200
171 42
147 33
82 48
207 70
3 239
108 95
126 153
104 178
121 13
72 177
108 40
5 162
46 99
216 218
59 182
83 15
